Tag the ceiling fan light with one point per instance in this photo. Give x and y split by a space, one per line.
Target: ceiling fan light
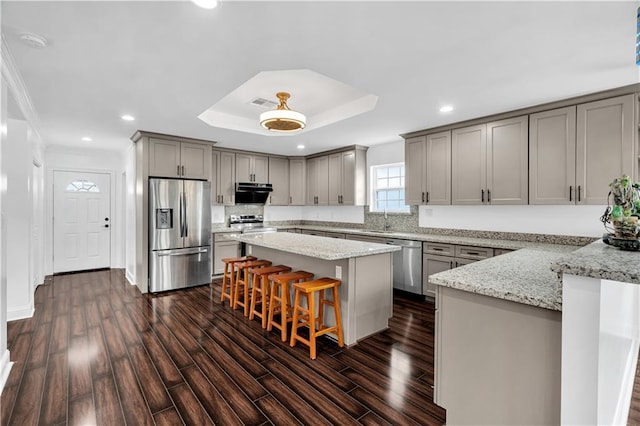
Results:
283 119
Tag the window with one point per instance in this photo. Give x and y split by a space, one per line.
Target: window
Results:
82 186
387 188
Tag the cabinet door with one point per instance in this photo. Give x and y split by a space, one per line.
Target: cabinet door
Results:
279 178
312 181
432 264
297 181
243 168
605 146
415 158
335 178
323 180
507 161
438 169
164 158
227 174
221 251
215 174
552 156
468 165
195 159
348 194
260 168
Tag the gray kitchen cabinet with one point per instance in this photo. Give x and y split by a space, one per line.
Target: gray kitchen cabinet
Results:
604 146
174 159
432 264
312 232
490 163
428 169
347 178
552 156
252 168
338 235
222 250
415 166
366 238
318 181
297 181
279 178
224 172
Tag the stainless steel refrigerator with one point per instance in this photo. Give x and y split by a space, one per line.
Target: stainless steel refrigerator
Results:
179 233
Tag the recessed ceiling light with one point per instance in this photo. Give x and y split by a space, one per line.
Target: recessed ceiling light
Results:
446 108
87 139
34 40
128 117
300 146
206 4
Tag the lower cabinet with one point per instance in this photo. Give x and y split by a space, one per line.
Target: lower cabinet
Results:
221 250
335 235
312 232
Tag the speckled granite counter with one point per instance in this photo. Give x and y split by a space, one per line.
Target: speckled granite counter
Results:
524 276
598 260
313 246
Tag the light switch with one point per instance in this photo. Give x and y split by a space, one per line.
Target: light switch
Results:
339 272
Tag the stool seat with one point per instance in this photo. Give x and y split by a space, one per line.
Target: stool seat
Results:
243 281
306 315
280 301
260 290
228 276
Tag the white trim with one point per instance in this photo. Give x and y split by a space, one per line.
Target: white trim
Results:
5 368
372 187
21 312
130 278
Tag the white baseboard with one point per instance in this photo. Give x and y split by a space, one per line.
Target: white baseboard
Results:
5 368
20 313
130 278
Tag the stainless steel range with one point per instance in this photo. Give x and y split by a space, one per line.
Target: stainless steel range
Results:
249 223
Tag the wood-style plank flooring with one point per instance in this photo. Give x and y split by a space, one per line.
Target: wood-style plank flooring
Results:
99 352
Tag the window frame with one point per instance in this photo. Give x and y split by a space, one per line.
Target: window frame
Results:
373 205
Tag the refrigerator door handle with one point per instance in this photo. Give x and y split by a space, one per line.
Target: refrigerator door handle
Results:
184 215
181 252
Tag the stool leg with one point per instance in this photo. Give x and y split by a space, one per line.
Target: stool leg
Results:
311 301
321 303
294 325
254 297
236 289
272 304
224 282
266 285
336 309
285 308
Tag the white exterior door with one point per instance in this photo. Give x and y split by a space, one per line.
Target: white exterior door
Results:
81 221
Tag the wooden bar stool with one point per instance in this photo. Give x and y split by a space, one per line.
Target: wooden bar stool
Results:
228 277
280 301
243 281
308 316
260 290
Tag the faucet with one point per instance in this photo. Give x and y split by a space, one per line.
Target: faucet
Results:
387 226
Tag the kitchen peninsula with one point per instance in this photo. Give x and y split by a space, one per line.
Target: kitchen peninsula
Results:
365 269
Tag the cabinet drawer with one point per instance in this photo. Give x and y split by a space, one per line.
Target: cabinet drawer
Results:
311 232
335 235
469 252
498 252
438 248
220 236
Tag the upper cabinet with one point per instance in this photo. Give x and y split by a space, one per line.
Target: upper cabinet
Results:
224 172
338 179
174 159
489 163
575 152
279 178
428 169
252 168
297 181
318 181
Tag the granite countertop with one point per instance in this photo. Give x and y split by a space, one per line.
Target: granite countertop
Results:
598 260
523 276
313 246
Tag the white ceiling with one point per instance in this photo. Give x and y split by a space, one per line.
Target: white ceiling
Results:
167 62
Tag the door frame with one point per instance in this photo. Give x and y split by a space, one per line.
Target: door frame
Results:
49 212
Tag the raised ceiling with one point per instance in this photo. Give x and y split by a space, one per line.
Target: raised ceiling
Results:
167 62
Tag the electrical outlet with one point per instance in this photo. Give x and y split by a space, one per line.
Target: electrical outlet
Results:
339 272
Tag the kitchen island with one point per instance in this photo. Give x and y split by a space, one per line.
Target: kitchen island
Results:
365 269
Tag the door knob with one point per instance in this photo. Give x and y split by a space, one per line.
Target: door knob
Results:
106 226
106 219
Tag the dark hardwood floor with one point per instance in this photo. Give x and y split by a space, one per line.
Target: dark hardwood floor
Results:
99 352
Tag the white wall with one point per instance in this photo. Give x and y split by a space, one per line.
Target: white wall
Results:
5 364
130 214
87 160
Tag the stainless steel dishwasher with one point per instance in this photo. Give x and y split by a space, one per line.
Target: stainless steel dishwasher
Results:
407 265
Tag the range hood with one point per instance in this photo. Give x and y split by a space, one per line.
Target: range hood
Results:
252 193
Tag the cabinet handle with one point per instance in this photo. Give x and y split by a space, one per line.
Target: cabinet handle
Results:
222 199
290 199
270 199
473 253
570 192
182 170
437 249
423 197
427 197
178 170
482 190
488 195
579 193
451 264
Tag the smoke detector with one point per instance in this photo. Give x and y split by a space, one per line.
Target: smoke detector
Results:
34 40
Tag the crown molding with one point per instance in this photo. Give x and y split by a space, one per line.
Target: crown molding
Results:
19 91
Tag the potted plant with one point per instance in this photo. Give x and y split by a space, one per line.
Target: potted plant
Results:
626 207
